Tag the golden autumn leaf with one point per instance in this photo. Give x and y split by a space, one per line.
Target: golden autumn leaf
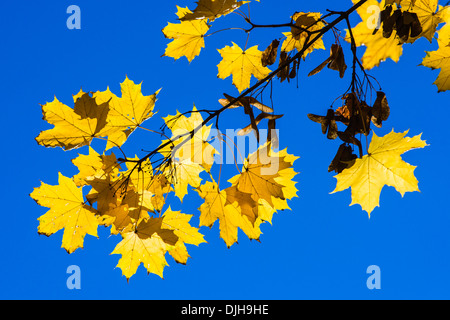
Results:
378 48
152 239
444 32
73 128
219 206
184 173
151 188
241 65
144 245
382 166
267 175
249 207
440 58
68 211
212 9
141 177
296 38
105 192
125 113
90 164
428 14
159 188
187 36
179 223
129 208
198 149
122 198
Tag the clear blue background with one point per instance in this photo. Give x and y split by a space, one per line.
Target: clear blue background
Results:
319 250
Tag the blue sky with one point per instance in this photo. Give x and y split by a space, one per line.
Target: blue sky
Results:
318 250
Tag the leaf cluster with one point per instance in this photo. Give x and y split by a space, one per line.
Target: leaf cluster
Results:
134 196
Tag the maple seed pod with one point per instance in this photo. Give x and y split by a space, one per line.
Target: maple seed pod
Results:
338 62
389 23
335 61
269 56
257 120
351 101
283 74
327 122
402 28
244 101
380 110
386 13
344 159
344 112
412 19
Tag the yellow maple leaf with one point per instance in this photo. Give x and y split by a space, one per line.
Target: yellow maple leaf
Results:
181 174
159 187
248 206
140 177
378 48
267 175
152 238
440 59
125 113
428 15
218 206
197 149
241 65
122 198
255 195
76 127
212 9
144 245
68 211
152 188
89 165
296 38
444 32
179 223
382 166
188 36
105 191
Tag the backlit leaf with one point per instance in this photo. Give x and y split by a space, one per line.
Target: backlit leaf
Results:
76 127
382 166
187 36
241 65
68 211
